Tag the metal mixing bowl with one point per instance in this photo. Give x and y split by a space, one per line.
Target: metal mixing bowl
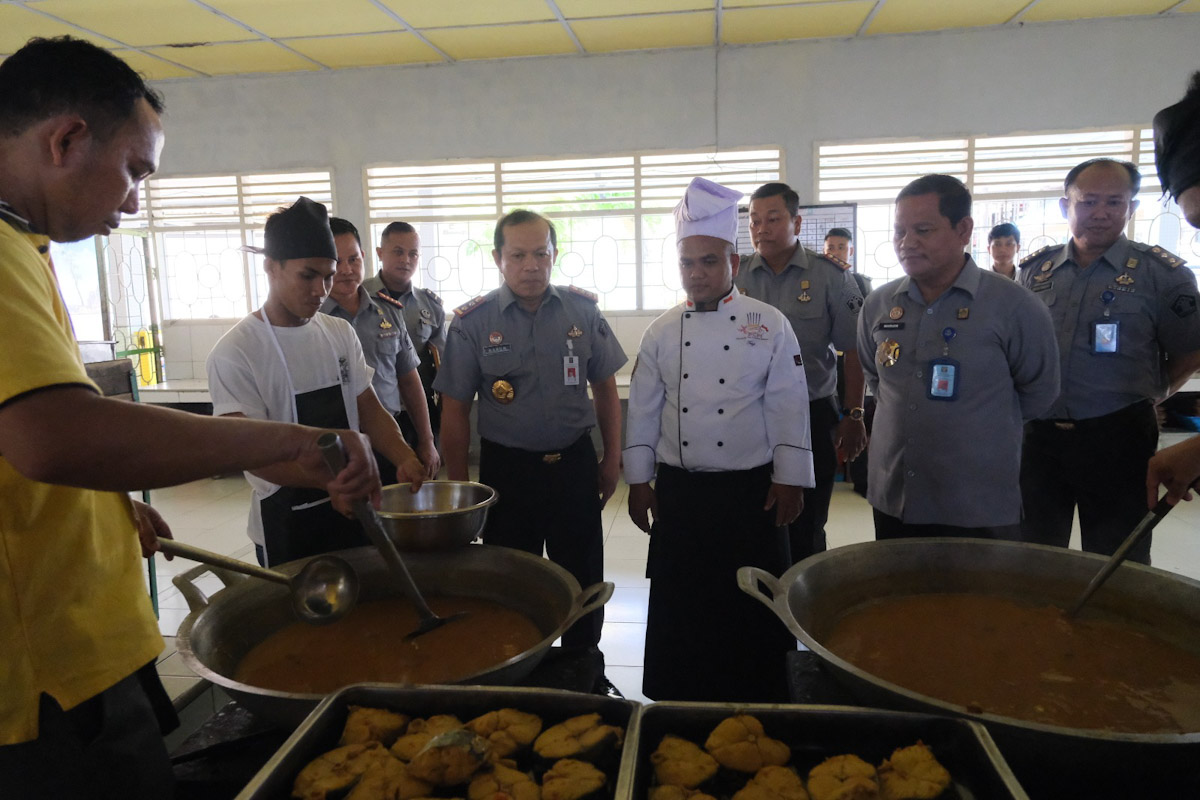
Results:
441 515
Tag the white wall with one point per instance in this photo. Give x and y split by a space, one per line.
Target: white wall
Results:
1040 77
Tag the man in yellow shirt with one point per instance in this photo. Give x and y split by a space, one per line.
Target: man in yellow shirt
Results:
79 131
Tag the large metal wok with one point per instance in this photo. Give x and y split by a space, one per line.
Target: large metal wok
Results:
811 596
221 629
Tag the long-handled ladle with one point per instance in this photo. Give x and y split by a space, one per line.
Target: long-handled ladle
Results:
1144 527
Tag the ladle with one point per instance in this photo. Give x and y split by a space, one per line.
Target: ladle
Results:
335 458
324 591
1144 527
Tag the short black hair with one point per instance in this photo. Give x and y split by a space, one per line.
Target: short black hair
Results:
48 77
1004 229
954 201
1177 142
842 232
1135 177
790 198
341 227
521 216
397 228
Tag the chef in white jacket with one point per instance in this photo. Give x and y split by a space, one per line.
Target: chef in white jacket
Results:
718 421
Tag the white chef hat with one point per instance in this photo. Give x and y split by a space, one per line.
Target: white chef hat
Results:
707 209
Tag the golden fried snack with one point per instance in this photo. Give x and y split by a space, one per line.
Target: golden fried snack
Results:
389 780
450 758
681 763
845 777
508 730
584 737
503 783
669 792
420 731
773 783
337 770
570 779
912 773
373 725
740 743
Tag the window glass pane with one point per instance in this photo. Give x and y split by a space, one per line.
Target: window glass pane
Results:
203 274
79 280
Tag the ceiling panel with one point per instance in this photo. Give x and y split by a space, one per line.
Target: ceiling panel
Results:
154 68
231 59
340 52
147 22
502 41
910 16
1190 7
754 3
287 18
645 32
749 25
452 13
574 9
1048 10
18 25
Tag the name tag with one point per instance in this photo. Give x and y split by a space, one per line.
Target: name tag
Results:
891 326
496 349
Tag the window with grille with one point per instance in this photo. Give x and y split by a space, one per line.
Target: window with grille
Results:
612 214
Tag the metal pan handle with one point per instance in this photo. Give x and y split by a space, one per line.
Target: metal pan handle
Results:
589 600
752 579
197 600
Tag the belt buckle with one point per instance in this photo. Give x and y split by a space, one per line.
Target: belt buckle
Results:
551 458
1065 426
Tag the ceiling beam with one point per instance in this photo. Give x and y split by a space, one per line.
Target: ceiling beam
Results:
404 23
566 25
866 23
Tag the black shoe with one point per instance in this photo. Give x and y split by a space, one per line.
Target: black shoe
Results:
605 686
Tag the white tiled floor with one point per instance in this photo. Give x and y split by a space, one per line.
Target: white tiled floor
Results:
212 514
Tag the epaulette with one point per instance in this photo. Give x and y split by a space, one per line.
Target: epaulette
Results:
432 295
845 266
470 305
1037 254
1165 256
583 293
387 298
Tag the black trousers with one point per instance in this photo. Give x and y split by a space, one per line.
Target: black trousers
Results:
550 500
110 746
889 527
806 533
1096 464
706 639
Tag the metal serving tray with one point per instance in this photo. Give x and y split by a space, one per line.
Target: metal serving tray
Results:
815 733
320 732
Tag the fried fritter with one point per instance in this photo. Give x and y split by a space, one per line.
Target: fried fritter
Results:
420 731
669 792
912 773
740 743
373 725
570 779
337 770
450 758
681 763
389 780
845 777
584 737
503 783
508 730
773 783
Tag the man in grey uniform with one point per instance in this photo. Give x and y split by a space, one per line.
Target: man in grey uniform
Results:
961 357
399 254
821 301
1129 336
386 346
530 351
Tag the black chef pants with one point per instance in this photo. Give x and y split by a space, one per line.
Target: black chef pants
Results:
1097 464
807 532
550 500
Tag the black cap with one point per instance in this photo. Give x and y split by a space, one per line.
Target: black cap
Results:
1177 142
300 231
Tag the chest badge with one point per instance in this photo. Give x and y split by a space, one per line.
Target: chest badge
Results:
804 296
384 325
896 313
1131 263
1045 276
963 313
574 333
1047 265
1125 279
888 353
503 392
425 314
495 337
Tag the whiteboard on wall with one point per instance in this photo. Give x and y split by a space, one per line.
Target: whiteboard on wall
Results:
816 220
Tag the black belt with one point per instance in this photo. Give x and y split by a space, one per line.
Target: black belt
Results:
545 457
1118 416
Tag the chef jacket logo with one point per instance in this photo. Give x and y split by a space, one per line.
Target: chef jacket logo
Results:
754 330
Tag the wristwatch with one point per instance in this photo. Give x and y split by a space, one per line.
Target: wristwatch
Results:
853 413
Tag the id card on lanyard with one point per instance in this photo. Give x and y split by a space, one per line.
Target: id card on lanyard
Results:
944 372
1106 332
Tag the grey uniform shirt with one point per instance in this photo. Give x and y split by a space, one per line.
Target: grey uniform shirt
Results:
424 318
492 339
385 344
819 300
954 462
1151 296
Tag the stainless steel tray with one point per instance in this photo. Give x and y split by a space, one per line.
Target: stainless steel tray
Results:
323 727
815 733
